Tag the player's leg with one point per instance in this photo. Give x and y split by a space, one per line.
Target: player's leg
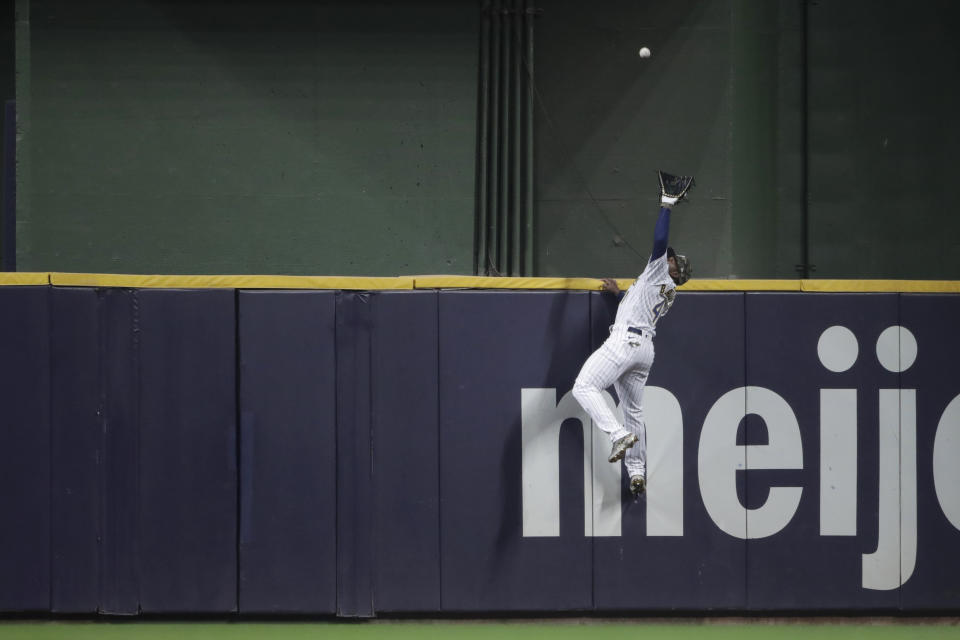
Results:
630 388
599 372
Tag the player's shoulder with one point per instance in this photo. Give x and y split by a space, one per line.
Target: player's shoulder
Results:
660 261
655 268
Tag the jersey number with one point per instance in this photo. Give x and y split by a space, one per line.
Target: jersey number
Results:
661 308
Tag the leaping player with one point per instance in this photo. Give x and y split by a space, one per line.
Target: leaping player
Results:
625 357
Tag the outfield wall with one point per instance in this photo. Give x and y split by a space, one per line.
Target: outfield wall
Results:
358 453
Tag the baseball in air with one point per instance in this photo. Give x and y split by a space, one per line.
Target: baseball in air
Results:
644 52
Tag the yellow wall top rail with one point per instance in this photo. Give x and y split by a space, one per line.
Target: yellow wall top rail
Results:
14 278
228 282
359 283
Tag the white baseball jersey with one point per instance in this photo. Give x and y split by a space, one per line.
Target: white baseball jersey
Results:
649 298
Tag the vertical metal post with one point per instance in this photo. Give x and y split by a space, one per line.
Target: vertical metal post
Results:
481 247
804 267
527 229
503 222
9 212
20 127
516 211
493 168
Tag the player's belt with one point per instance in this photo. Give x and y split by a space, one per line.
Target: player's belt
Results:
637 331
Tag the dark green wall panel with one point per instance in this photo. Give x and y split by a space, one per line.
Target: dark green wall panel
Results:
707 102
723 97
220 137
341 137
884 139
766 138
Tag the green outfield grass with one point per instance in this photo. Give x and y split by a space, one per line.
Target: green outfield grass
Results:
592 630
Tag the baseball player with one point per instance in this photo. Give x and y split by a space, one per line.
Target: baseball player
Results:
625 357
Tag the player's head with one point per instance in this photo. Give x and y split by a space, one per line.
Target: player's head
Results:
679 266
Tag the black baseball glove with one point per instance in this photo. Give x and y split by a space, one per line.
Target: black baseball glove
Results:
673 188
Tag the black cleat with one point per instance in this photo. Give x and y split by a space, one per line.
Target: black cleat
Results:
620 446
638 485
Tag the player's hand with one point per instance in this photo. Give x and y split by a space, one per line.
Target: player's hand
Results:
610 285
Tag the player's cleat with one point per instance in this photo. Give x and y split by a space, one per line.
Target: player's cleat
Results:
638 485
620 446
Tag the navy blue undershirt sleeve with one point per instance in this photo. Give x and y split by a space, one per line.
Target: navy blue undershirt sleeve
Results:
660 234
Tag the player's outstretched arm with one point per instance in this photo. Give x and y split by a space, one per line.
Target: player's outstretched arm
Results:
661 233
672 190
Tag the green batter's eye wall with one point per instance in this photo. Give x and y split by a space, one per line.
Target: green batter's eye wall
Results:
369 451
485 136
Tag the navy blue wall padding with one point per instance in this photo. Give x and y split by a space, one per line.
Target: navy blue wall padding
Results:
933 321
119 467
492 345
288 558
354 482
699 357
380 453
797 568
188 453
75 449
406 454
603 311
24 449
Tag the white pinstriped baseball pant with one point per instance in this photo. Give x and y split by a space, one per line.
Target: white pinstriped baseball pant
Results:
622 361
